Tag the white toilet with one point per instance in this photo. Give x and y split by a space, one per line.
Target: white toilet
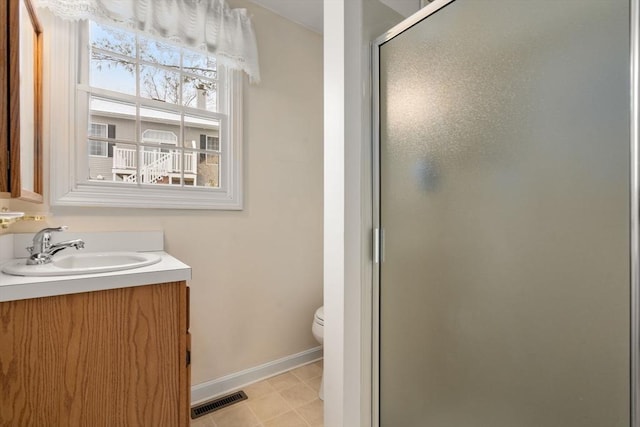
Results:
317 328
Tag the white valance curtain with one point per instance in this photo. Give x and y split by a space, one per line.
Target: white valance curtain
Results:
209 25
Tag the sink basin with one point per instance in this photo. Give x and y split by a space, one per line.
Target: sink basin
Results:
83 263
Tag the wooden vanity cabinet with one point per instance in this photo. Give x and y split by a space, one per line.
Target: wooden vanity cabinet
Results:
117 357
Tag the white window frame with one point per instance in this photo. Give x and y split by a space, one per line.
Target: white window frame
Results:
66 123
103 144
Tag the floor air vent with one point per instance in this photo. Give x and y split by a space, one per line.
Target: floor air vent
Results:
219 403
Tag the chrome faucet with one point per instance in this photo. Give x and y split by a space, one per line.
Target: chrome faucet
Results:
42 249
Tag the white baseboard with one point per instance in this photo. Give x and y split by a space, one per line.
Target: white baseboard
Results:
219 386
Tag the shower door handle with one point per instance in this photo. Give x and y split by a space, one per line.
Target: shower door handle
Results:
378 253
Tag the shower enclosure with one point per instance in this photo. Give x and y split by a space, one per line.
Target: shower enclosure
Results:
506 187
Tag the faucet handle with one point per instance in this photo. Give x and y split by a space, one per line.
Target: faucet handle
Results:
49 229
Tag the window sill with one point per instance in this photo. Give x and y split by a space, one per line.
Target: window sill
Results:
94 195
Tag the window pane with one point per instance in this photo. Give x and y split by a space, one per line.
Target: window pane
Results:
159 52
159 84
212 99
213 143
208 170
190 168
120 115
159 137
112 65
98 162
97 148
199 93
197 129
123 163
200 64
161 166
159 126
98 129
112 39
112 73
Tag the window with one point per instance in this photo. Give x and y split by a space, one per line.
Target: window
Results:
211 144
161 98
97 148
154 92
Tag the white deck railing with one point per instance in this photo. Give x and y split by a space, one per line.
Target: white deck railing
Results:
154 164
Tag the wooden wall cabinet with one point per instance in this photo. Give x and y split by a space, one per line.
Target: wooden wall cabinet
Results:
116 357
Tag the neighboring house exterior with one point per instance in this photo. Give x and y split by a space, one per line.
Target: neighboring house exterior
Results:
162 161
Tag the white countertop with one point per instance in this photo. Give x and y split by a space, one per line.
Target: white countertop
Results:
168 269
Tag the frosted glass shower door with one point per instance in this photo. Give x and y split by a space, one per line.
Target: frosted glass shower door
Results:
504 204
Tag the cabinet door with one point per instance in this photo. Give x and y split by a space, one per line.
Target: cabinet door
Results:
4 104
107 358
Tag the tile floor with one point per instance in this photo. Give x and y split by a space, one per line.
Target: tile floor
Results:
286 400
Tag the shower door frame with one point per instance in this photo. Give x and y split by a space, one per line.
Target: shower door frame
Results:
634 206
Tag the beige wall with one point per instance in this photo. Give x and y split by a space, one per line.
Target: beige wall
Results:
257 273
